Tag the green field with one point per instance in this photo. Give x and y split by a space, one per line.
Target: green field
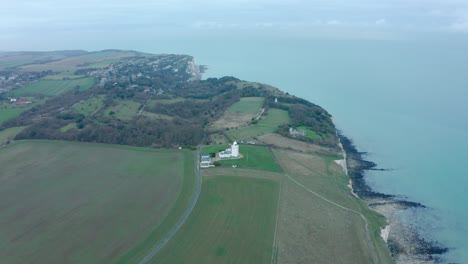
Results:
66 202
334 234
68 127
62 76
89 106
53 87
9 112
247 105
309 132
124 110
267 124
233 222
87 60
9 134
256 157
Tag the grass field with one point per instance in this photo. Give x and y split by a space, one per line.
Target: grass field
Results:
256 157
61 76
21 58
9 134
309 132
124 110
233 222
313 229
247 105
89 106
267 124
92 59
278 141
68 202
9 112
239 114
53 87
68 127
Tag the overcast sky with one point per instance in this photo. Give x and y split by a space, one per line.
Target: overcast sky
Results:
23 23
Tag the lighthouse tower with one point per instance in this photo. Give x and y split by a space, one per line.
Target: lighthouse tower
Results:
235 150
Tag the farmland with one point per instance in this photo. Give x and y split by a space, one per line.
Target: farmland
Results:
91 59
53 87
226 226
88 203
267 124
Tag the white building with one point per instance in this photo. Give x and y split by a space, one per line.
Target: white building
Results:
232 152
235 150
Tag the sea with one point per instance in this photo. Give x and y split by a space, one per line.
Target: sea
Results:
402 100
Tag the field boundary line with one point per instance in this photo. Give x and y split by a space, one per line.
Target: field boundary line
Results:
143 106
274 253
185 216
369 240
97 110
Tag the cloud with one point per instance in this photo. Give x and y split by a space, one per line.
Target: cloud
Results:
460 26
23 20
381 21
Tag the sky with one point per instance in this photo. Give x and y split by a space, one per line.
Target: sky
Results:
59 24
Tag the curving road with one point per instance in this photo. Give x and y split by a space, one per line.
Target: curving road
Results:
186 214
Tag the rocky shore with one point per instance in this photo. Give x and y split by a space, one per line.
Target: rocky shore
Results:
404 240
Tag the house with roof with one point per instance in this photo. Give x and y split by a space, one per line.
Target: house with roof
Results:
205 161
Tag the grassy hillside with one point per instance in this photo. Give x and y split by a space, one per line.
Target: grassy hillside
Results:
87 203
320 221
9 112
240 113
9 134
247 105
267 124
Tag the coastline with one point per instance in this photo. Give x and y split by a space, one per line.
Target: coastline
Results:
404 240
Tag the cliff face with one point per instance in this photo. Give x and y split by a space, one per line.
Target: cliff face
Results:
403 240
194 70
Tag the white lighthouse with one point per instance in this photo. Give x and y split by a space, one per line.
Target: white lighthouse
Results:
235 150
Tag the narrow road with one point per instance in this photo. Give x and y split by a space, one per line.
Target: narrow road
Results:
186 214
143 107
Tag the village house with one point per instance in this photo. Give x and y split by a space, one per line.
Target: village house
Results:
297 132
205 161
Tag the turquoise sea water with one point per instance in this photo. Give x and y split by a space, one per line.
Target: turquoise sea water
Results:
404 102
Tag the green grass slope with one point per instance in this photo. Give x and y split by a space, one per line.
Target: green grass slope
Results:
267 124
247 105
